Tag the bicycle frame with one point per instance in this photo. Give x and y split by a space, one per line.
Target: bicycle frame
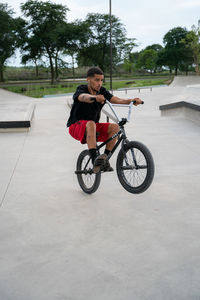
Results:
120 134
121 137
121 122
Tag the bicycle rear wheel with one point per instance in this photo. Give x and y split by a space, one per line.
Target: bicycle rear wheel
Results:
88 181
135 167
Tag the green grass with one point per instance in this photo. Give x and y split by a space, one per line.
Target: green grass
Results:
38 91
136 83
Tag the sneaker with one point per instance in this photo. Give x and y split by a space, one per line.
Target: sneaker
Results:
100 163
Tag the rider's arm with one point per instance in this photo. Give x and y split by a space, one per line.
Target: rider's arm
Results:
87 98
116 100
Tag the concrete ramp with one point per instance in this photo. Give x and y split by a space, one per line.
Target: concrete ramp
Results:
183 81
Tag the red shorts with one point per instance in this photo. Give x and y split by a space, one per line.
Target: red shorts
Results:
77 131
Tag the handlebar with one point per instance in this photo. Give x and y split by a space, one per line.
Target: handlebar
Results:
94 99
135 102
119 105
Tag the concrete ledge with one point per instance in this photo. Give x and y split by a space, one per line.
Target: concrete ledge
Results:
15 124
180 104
184 109
16 116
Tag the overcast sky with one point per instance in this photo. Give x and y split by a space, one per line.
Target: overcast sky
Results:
146 20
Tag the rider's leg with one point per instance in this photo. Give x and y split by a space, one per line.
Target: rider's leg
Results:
98 161
91 134
112 129
91 138
91 142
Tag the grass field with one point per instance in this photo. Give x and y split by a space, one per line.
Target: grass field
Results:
40 90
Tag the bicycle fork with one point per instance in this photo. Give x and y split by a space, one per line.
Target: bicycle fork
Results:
135 166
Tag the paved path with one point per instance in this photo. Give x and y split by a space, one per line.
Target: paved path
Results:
57 243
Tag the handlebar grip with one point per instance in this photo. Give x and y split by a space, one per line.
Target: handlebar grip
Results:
135 102
93 99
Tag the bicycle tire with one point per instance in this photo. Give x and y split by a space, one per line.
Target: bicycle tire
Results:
128 172
88 181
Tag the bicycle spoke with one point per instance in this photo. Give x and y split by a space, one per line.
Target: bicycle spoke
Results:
134 167
88 178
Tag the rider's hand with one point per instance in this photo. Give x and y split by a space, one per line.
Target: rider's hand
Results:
100 98
137 101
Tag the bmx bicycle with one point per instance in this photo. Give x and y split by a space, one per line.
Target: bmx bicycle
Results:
134 164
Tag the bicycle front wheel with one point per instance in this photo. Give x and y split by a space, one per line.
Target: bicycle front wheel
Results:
88 181
135 167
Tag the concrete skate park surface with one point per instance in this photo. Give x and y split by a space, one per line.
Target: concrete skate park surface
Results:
58 243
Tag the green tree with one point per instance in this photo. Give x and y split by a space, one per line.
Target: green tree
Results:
45 30
33 53
128 63
133 59
77 36
175 52
10 31
96 49
192 42
156 47
147 60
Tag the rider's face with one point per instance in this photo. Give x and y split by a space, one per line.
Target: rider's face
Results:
95 82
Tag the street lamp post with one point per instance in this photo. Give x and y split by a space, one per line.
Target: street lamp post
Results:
110 45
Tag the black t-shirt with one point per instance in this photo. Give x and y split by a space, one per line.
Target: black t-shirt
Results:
86 111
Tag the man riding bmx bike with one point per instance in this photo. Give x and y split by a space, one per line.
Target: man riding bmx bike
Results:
84 117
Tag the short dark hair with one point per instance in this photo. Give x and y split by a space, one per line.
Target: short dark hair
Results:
94 70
